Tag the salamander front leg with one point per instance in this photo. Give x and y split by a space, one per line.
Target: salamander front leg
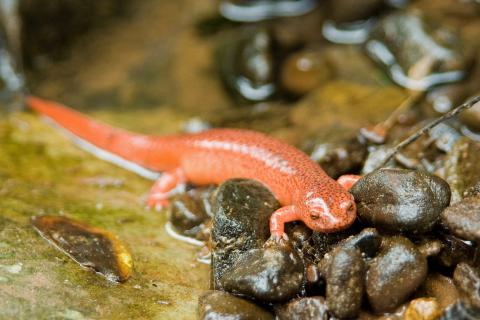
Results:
348 180
278 220
162 188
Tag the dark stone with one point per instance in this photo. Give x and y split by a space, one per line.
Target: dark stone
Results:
367 242
394 274
270 274
419 48
339 157
467 280
219 305
190 211
242 210
401 200
454 251
463 218
462 167
247 65
345 282
308 308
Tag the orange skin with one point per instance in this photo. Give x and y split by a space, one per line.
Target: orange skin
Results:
303 189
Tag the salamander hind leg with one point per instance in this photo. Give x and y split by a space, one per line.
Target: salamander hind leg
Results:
278 220
163 187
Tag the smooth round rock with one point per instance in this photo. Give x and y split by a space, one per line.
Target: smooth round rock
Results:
401 200
394 274
463 218
308 308
345 283
271 274
423 309
304 71
467 280
219 305
242 210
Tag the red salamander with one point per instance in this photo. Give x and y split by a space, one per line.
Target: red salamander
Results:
303 189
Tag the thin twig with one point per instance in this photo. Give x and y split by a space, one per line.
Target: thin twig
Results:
428 127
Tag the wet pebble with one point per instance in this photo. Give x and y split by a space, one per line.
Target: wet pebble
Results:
460 311
463 218
242 210
308 308
417 52
467 280
271 274
401 200
394 274
441 288
339 157
345 282
190 211
423 309
219 305
304 71
455 250
247 65
462 167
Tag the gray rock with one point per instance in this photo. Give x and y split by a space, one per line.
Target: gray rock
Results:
219 305
394 274
271 274
463 218
242 210
401 200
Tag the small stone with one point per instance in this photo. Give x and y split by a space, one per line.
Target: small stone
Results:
308 308
460 311
455 250
462 167
467 280
339 157
304 71
242 210
423 309
368 242
418 53
91 247
219 305
441 288
345 282
463 218
190 211
394 274
401 200
271 274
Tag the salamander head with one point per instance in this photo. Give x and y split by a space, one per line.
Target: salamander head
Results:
328 213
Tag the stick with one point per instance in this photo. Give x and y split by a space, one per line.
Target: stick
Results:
428 127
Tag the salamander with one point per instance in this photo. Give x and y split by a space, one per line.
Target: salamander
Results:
303 189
